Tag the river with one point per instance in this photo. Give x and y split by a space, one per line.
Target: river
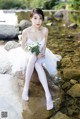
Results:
63 41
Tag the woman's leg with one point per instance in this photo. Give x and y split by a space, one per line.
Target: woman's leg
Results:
28 74
43 80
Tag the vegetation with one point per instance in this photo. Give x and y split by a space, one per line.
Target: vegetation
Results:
45 4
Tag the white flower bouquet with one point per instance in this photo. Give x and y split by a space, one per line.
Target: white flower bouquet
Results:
34 48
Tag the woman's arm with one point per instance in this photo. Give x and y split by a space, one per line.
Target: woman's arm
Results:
42 54
24 38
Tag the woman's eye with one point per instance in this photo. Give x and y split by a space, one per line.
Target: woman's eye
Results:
35 18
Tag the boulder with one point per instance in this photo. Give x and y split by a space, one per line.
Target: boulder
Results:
60 115
11 45
8 31
24 24
71 73
74 91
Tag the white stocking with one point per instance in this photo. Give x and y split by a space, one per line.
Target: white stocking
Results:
28 74
43 80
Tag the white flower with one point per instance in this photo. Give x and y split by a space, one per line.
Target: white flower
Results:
34 48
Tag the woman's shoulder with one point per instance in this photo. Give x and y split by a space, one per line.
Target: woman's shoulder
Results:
45 29
26 29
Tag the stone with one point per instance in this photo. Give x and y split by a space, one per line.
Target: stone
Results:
74 91
11 45
24 24
8 31
66 85
60 115
71 73
72 81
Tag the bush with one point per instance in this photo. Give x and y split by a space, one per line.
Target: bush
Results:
11 4
49 4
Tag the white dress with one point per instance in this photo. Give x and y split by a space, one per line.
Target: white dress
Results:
18 58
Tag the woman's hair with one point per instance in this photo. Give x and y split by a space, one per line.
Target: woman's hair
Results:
37 11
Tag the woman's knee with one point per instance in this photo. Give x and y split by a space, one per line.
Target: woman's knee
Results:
32 58
37 65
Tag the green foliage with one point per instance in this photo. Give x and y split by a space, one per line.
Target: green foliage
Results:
8 4
11 4
45 4
75 17
50 4
74 4
36 3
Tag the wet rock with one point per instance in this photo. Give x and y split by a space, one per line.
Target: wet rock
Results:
66 85
11 45
71 73
72 81
71 111
8 31
65 61
70 36
74 91
60 115
1 42
24 24
36 107
58 15
73 25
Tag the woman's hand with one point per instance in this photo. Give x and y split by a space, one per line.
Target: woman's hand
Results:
40 55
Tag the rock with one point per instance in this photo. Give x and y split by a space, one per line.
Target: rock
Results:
71 73
8 31
58 15
74 91
60 115
66 85
65 61
5 65
72 81
2 42
71 111
11 45
36 107
73 25
24 24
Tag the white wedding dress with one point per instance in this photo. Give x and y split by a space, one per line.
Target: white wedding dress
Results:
19 58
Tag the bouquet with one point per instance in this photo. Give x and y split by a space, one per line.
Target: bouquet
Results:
34 48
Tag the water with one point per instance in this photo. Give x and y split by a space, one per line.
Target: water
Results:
12 17
7 18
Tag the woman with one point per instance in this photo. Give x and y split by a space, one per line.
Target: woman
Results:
29 59
33 34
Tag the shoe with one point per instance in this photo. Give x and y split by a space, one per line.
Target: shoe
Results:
25 96
49 104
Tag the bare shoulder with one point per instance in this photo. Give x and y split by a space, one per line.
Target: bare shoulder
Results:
25 30
45 30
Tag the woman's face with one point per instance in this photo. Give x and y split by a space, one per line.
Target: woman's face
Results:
37 20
